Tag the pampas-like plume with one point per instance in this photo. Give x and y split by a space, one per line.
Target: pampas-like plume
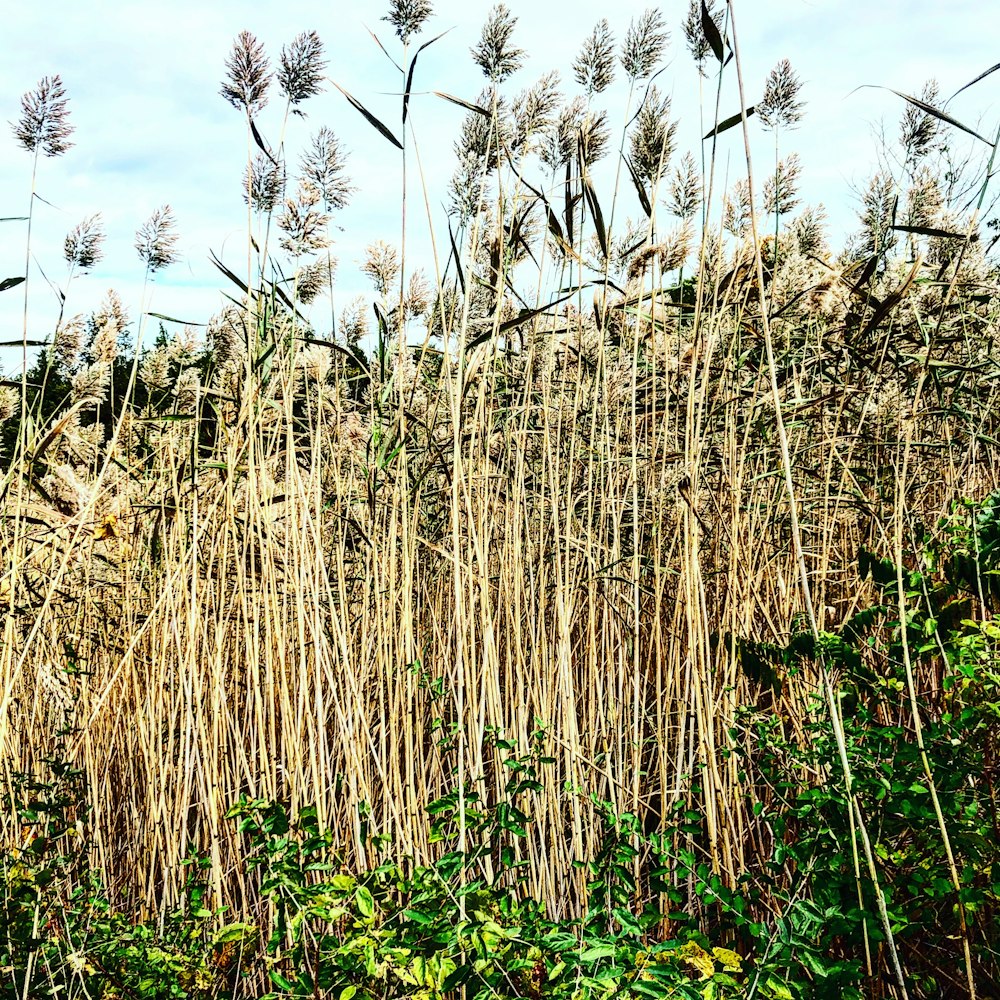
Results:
780 105
248 75
315 278
685 189
44 123
156 240
303 224
83 246
265 184
105 328
67 344
90 384
594 67
781 189
495 55
408 16
736 209
694 32
322 165
918 130
381 265
534 112
644 44
653 140
9 402
300 68
354 321
576 127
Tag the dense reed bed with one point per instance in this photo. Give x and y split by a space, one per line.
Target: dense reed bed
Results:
626 487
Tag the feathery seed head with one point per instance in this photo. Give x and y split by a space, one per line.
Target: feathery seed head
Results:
918 129
467 189
248 75
154 371
83 246
408 17
418 295
354 321
808 230
156 240
694 31
685 189
303 223
68 343
381 265
91 384
737 208
594 67
653 141
44 122
265 185
781 189
9 402
315 278
495 55
186 390
106 328
300 68
478 138
878 209
534 111
322 165
644 44
780 105
576 127
227 337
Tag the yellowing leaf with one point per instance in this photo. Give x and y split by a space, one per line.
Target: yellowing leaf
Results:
694 955
108 528
730 960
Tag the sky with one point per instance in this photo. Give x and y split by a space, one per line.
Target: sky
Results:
151 128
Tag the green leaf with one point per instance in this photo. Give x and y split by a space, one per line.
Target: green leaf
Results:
728 123
365 901
372 120
934 112
597 952
711 30
170 319
10 283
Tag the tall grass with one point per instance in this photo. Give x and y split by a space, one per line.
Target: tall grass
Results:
282 565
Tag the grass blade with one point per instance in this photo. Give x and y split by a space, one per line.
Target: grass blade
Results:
457 258
171 319
468 105
229 274
972 83
330 345
409 75
941 233
729 123
259 139
934 112
640 188
595 211
372 120
10 283
712 35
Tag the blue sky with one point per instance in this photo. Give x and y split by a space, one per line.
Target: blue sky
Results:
151 128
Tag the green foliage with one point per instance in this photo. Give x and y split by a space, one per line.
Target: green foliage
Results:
795 783
399 929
